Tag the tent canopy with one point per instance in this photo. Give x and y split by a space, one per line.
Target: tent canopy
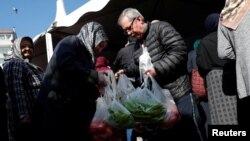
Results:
187 16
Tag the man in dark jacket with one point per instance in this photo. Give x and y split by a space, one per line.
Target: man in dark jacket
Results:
168 54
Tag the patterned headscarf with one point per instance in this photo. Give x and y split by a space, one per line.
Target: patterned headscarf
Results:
91 35
233 12
16 49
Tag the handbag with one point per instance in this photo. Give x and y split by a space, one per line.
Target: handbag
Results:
198 84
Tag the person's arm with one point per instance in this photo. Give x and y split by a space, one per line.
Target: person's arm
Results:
225 49
73 62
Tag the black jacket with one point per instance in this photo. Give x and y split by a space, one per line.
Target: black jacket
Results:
168 53
125 56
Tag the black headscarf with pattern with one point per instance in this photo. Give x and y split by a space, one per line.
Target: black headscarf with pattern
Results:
91 35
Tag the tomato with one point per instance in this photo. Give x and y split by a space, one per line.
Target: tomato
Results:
101 129
98 138
98 126
109 132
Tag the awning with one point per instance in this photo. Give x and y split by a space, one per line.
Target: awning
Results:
187 16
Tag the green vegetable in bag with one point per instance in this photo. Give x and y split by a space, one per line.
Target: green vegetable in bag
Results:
145 110
120 119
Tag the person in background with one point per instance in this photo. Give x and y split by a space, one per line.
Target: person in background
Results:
124 56
23 81
233 43
222 107
102 64
198 84
168 53
67 101
3 117
191 64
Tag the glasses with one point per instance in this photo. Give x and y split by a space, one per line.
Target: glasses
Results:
129 29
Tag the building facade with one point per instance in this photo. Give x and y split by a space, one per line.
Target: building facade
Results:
7 36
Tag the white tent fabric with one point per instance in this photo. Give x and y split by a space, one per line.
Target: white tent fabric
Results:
72 18
187 16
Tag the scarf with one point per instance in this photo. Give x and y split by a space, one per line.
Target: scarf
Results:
16 49
91 35
233 12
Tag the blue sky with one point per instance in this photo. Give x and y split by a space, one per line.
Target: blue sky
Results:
33 16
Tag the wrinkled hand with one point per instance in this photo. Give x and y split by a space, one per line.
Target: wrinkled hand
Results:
118 73
150 71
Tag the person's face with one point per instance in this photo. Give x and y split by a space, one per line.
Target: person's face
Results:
26 49
133 27
100 47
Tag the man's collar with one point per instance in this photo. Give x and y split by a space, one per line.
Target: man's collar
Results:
146 33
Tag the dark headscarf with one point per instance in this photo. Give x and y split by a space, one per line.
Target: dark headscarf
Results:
211 22
91 35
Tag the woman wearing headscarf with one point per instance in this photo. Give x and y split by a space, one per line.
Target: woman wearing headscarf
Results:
233 43
66 102
23 81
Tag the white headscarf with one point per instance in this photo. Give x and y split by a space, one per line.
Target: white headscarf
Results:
90 35
16 49
233 12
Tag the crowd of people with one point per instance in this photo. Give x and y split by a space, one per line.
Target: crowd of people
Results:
59 103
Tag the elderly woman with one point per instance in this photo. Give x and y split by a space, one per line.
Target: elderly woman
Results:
66 102
23 81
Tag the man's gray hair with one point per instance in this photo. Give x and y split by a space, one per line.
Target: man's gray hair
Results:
130 13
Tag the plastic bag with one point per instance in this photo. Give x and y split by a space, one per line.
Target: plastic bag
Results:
99 127
172 114
152 105
145 106
144 62
124 87
119 117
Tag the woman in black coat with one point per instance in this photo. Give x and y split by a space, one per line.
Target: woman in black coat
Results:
66 102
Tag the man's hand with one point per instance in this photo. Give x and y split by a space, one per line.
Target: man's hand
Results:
150 71
118 73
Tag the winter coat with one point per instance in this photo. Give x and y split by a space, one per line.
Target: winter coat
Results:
168 53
